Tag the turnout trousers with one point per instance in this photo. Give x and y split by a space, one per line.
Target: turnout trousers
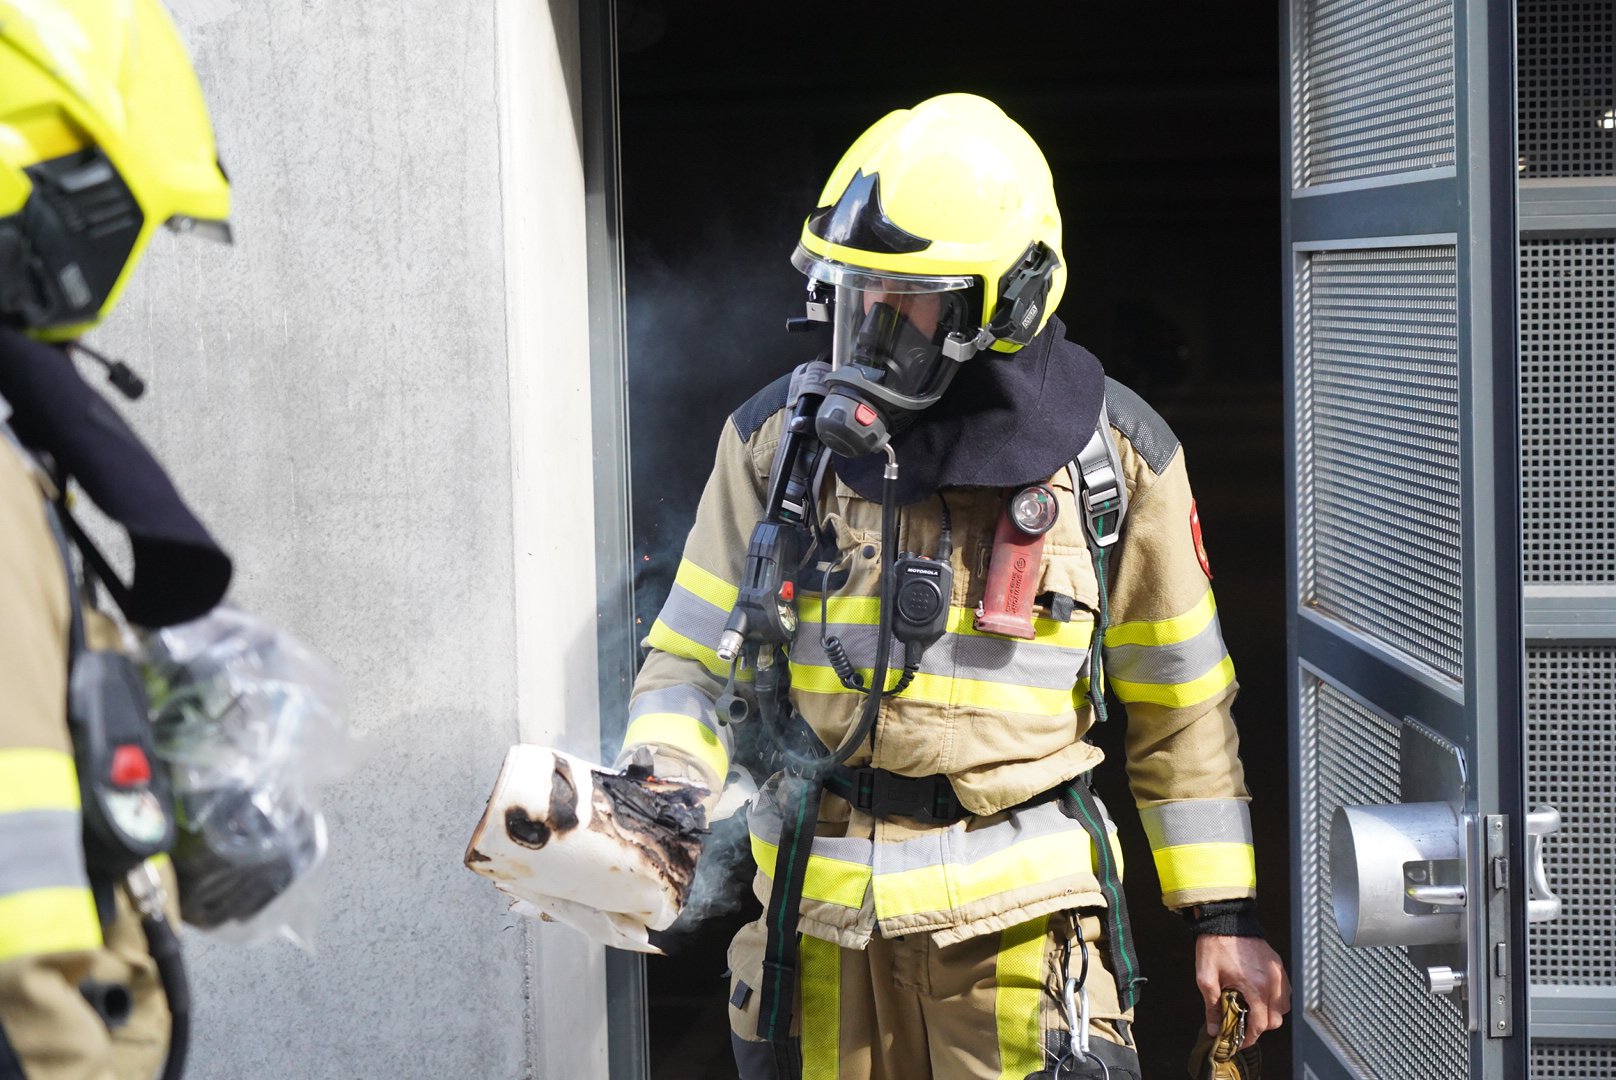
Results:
988 1008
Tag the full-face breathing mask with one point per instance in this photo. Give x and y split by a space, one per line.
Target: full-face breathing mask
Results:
900 338
897 342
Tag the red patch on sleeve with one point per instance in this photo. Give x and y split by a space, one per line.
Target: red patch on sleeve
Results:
1200 545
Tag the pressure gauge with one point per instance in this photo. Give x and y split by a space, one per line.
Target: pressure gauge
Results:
1033 509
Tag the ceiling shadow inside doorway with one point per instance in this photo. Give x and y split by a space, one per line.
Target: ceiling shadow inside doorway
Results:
1161 123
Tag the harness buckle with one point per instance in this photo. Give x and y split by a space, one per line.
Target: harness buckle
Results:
1102 505
1102 497
880 793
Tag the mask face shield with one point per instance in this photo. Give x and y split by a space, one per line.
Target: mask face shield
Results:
894 325
895 345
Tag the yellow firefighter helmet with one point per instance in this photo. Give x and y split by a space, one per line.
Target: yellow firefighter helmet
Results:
104 137
952 190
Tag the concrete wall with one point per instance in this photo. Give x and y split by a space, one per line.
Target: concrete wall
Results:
345 397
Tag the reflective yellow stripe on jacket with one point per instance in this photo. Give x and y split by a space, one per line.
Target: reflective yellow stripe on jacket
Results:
1178 662
683 718
693 617
933 878
1038 677
45 901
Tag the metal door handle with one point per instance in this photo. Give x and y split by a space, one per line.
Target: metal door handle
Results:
1542 905
1437 895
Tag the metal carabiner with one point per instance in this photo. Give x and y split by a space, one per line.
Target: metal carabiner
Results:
1075 1004
1075 1057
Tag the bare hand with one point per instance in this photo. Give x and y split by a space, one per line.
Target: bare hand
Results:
1249 965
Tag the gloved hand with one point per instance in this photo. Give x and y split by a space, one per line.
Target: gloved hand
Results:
611 853
667 763
1220 1057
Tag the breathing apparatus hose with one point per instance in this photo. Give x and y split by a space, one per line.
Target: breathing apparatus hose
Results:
801 809
146 889
165 949
817 763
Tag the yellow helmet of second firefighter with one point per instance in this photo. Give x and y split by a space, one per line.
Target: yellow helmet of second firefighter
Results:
104 137
951 189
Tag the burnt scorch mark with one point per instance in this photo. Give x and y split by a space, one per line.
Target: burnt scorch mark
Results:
672 806
527 831
662 822
476 834
474 855
563 798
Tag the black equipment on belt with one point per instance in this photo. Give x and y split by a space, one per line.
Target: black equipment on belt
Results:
128 803
887 794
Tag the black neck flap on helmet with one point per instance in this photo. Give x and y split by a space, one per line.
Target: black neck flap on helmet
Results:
1007 421
181 572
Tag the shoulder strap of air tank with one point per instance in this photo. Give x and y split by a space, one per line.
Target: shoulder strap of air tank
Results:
1102 494
1102 498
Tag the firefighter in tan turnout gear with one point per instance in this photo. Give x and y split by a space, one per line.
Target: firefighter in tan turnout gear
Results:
917 566
104 138
911 569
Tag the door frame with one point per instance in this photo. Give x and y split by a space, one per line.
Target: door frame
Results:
1473 206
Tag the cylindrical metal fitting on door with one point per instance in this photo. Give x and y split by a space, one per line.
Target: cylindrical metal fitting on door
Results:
1372 882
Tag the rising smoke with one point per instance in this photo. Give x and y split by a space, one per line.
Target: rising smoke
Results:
705 330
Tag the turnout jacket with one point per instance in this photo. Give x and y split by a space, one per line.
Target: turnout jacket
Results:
52 942
56 941
1001 718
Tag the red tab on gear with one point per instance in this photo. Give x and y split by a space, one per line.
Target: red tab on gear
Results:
1200 545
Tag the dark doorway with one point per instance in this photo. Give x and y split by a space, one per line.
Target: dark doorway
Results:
1161 124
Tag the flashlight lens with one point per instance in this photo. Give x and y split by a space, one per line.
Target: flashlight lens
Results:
1033 509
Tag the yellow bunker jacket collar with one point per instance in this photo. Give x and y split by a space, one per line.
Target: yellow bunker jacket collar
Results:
1001 718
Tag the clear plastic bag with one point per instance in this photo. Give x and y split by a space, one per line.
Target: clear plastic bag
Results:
249 722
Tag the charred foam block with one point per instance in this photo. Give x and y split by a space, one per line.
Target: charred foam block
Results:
612 854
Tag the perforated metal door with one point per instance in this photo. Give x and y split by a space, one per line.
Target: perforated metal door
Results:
1400 230
1567 120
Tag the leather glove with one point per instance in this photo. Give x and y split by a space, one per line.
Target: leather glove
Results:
1220 1057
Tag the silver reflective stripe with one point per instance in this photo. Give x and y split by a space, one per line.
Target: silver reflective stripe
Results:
859 641
683 699
954 846
957 656
764 822
688 615
41 849
1197 821
1167 665
959 846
